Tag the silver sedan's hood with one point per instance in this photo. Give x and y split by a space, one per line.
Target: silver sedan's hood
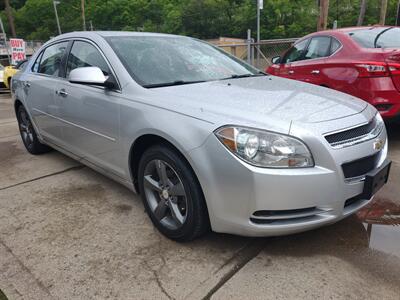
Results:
264 99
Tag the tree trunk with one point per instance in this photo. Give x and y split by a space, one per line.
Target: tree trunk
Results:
363 9
323 15
398 14
10 17
83 14
382 18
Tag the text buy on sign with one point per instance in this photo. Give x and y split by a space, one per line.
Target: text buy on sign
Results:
17 50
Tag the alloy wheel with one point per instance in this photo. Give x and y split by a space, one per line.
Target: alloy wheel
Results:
26 129
165 194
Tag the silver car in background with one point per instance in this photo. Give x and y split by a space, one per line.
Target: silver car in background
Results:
207 140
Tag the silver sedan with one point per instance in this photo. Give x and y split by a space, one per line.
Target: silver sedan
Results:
208 141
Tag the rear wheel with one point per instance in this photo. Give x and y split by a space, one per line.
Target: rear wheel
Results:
28 134
171 194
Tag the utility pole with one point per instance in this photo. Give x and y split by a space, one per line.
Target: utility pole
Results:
83 14
10 17
382 18
55 3
323 15
398 14
363 9
260 6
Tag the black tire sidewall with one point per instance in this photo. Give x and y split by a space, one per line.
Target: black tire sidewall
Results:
35 147
195 220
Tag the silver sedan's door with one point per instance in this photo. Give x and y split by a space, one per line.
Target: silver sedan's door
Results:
90 113
39 86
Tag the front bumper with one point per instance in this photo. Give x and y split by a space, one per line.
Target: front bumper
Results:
252 201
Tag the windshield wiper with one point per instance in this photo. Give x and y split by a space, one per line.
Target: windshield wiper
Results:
173 83
235 76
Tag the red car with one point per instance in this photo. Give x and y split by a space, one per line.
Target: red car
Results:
361 61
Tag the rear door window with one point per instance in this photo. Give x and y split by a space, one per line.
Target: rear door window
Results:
319 47
335 46
51 60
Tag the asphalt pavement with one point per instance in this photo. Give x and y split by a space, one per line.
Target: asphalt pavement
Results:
67 232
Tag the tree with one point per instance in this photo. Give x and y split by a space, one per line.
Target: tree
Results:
382 18
10 17
323 15
363 8
205 19
83 14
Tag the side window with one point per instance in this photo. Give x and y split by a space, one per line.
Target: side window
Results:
50 62
295 53
335 45
319 47
84 54
22 65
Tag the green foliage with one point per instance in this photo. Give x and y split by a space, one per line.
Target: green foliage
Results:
34 19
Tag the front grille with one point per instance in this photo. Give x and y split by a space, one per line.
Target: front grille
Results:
351 134
360 167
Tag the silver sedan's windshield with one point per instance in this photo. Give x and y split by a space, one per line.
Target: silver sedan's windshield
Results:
155 61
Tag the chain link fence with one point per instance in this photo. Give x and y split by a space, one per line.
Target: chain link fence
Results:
259 54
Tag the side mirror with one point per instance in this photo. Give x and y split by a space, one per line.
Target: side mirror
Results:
90 76
276 60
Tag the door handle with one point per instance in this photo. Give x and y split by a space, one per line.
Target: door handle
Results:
62 93
315 72
27 84
291 72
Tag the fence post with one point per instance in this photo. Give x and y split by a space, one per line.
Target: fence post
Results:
248 41
252 52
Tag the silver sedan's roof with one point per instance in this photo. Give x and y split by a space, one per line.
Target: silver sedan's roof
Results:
92 34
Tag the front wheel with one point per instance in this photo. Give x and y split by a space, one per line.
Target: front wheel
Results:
28 134
171 194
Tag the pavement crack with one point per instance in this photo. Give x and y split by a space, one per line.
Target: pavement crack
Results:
26 269
241 258
158 281
44 176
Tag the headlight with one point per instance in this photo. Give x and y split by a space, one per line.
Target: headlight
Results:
265 149
379 125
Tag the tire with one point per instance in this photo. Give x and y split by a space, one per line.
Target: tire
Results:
176 206
28 133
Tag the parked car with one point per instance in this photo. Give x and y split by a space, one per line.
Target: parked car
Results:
360 61
10 71
206 139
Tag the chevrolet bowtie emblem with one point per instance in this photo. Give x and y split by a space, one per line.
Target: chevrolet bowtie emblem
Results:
378 144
